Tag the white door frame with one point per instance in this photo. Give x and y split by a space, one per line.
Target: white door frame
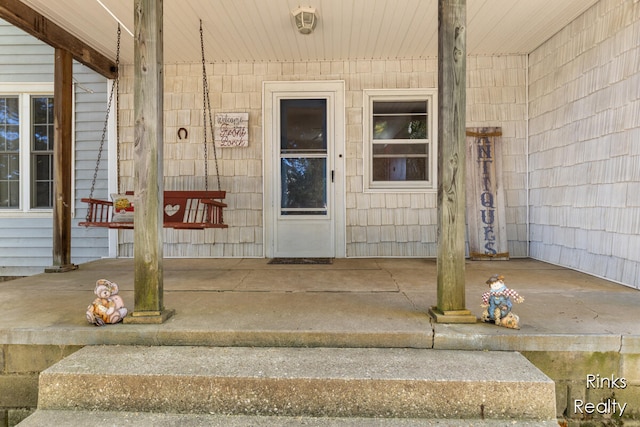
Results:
334 92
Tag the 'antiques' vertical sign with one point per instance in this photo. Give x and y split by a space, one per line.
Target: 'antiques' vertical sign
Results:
485 195
231 130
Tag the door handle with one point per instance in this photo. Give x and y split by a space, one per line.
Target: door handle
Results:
333 174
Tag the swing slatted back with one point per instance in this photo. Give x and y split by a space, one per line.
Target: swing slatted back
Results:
186 210
193 209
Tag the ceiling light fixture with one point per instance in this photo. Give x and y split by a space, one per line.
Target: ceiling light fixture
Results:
305 19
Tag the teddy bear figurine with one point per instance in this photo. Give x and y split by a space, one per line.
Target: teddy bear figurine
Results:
497 303
108 307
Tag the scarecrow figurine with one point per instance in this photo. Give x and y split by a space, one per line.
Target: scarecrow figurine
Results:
498 303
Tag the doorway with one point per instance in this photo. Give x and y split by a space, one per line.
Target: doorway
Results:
304 169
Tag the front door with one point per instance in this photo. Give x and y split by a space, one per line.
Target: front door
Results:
303 177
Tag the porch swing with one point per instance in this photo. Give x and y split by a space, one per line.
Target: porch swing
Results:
184 209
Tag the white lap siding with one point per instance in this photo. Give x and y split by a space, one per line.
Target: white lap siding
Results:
25 237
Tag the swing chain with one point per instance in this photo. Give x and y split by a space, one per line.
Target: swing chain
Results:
117 89
207 109
114 89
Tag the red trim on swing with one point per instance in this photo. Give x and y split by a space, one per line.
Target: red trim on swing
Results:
185 210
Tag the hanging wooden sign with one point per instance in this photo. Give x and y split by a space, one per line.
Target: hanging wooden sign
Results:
231 130
485 195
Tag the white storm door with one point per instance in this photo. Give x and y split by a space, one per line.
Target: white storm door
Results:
303 170
304 208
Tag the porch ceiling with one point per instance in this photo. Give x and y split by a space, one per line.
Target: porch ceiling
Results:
263 30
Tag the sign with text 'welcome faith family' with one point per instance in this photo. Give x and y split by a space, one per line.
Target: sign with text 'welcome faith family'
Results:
231 130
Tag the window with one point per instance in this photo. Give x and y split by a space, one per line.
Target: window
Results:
9 152
26 148
42 151
399 135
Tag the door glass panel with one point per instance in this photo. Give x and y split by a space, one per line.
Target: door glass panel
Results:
304 124
304 186
303 157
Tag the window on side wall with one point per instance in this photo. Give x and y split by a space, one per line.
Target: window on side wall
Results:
26 150
399 137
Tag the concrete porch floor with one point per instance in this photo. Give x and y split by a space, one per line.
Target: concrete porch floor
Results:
350 303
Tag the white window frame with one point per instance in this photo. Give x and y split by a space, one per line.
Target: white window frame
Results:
25 91
401 95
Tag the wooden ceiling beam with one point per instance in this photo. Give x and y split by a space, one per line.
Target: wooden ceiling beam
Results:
22 16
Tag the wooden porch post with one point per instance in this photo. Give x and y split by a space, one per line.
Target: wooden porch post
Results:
452 67
62 155
148 157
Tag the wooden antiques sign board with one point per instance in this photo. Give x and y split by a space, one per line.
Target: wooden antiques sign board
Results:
231 130
485 195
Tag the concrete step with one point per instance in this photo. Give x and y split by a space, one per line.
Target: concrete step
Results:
300 382
146 419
